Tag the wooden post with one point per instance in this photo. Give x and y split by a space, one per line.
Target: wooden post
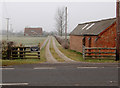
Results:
21 53
39 51
83 52
24 52
117 30
9 52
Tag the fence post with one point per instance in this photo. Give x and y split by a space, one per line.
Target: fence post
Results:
24 52
21 53
83 52
9 52
39 51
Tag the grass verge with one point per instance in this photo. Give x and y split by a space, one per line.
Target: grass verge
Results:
19 61
55 55
42 54
77 56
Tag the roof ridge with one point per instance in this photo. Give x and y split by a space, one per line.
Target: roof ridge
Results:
97 21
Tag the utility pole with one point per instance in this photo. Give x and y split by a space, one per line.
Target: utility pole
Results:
7 26
117 31
11 28
65 25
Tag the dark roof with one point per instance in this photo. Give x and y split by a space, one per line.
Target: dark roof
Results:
92 28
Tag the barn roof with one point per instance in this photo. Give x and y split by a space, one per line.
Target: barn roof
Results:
92 28
32 27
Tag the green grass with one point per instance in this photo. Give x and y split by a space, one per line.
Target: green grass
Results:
69 53
19 61
77 56
55 55
42 54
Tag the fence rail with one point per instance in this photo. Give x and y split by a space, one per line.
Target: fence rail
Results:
96 48
21 53
99 52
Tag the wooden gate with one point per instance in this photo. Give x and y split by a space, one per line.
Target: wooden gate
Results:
28 52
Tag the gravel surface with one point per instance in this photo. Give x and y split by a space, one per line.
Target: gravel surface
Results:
48 54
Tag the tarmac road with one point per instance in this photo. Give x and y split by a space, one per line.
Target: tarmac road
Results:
61 74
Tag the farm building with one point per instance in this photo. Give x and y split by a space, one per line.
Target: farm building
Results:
94 34
33 31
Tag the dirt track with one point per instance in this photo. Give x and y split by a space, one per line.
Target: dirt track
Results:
48 54
43 45
60 53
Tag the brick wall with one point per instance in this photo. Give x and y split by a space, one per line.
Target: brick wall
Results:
107 38
76 43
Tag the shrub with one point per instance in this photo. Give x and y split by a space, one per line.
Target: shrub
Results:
5 46
65 45
61 41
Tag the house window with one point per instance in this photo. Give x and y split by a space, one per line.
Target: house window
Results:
32 31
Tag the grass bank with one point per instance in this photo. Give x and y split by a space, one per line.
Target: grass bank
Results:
19 61
77 56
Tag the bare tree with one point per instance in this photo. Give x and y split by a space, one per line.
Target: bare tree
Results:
60 21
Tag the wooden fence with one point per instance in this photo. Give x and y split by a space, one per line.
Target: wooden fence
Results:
99 53
31 52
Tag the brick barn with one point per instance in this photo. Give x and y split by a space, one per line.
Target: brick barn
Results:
33 31
94 34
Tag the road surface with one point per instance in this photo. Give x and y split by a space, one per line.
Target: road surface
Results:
61 74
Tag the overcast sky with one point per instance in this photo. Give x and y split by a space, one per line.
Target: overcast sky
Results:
43 14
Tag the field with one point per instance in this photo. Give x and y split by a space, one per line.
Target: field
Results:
25 40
